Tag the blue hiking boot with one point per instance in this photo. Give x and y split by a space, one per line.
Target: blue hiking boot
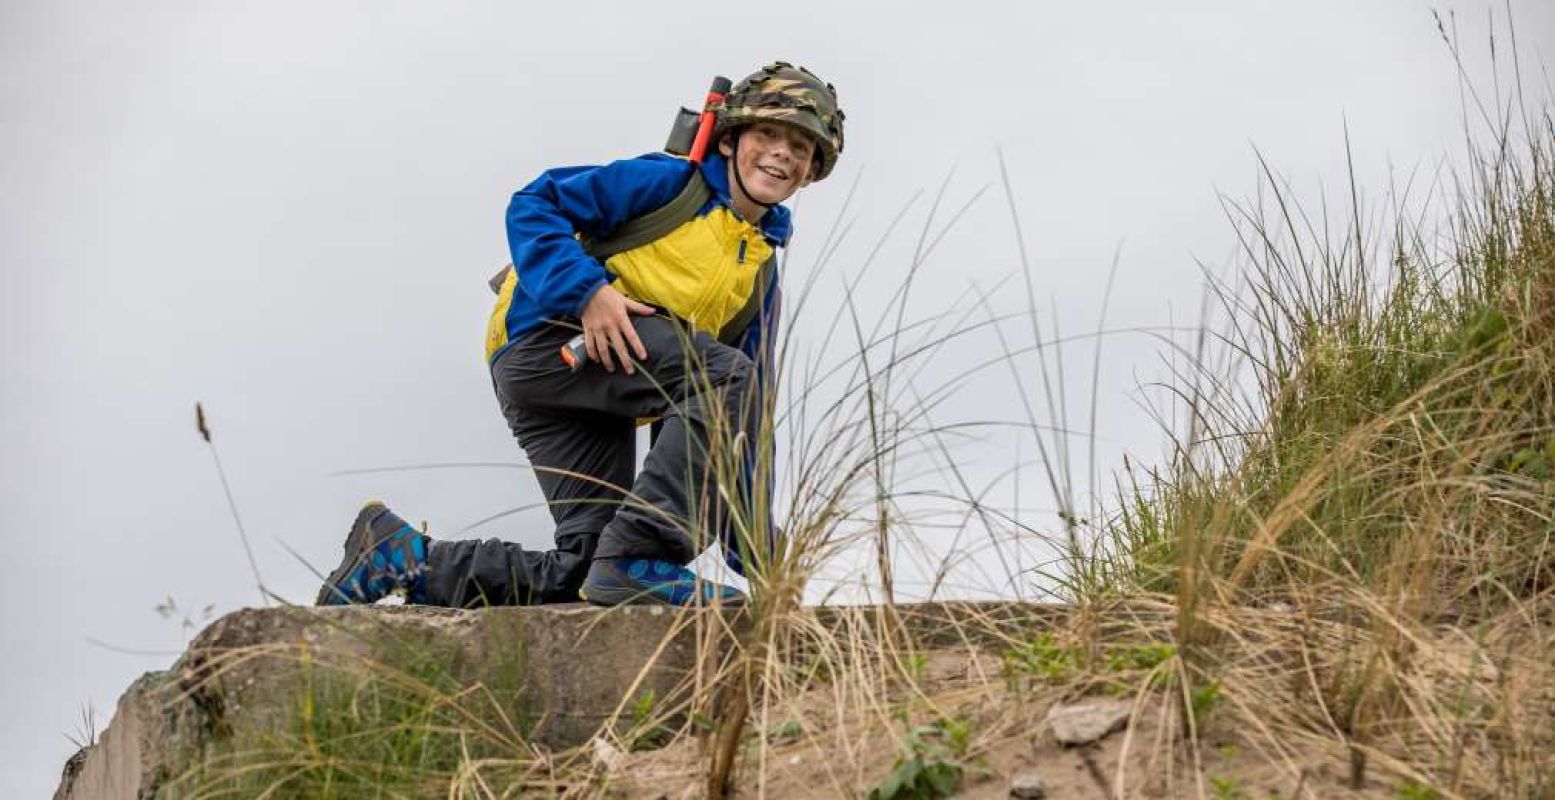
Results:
383 553
646 581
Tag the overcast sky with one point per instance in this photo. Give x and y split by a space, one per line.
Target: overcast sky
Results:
288 210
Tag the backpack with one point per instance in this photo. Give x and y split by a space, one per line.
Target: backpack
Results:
658 223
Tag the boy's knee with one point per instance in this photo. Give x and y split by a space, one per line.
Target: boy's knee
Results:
730 366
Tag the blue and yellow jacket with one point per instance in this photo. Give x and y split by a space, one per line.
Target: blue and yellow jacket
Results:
703 272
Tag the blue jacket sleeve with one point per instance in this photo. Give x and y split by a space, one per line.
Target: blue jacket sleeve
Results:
543 217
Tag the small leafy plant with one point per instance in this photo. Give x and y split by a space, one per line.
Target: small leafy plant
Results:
786 732
1136 658
1226 788
1139 656
645 733
1041 658
1202 700
932 767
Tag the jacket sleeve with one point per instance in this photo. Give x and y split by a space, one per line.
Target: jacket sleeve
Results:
543 217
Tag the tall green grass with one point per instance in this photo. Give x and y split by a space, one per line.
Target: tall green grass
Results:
1370 447
1400 414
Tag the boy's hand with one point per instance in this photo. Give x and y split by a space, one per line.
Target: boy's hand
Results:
607 327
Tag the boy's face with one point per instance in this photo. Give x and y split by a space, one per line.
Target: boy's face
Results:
774 160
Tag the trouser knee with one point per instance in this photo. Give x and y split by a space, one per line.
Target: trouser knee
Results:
731 368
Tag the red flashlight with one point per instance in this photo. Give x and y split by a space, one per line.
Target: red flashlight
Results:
715 98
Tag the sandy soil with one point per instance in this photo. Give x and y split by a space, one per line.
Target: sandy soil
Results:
833 758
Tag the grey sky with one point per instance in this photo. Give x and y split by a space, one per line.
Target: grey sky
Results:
287 211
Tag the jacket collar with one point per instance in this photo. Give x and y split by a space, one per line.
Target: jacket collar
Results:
776 224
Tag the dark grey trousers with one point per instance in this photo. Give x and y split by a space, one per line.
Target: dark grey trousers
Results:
578 431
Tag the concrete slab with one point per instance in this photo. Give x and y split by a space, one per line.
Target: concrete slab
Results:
556 674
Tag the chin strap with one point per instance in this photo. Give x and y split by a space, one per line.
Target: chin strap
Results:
734 162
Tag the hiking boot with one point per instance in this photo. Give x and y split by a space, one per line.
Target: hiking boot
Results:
646 581
383 554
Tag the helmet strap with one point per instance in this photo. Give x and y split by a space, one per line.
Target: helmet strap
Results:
734 166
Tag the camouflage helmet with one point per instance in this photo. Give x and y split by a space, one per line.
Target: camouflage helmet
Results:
784 93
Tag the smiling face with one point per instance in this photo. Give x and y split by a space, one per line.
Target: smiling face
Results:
774 161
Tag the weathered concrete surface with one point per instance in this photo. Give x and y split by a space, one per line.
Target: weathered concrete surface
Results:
114 766
565 670
560 671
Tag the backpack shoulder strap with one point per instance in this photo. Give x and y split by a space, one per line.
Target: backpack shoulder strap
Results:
655 224
730 334
638 231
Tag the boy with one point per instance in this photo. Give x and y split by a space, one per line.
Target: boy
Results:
663 329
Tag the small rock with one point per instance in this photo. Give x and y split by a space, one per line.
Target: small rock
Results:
606 754
1028 785
1089 720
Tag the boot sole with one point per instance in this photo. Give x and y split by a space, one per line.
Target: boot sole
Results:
608 596
357 544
